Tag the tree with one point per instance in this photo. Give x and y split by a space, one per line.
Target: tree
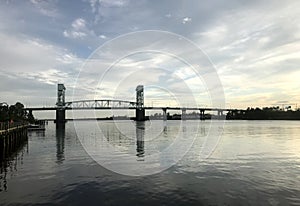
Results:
20 112
30 117
14 112
4 116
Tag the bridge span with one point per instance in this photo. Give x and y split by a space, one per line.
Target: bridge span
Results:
111 104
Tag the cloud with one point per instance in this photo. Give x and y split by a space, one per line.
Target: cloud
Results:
186 20
167 74
253 44
255 54
78 29
103 36
26 61
47 8
96 4
74 34
168 15
79 24
27 54
116 3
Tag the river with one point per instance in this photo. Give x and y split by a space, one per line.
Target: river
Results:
252 163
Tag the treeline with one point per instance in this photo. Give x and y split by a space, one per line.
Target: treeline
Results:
15 113
266 113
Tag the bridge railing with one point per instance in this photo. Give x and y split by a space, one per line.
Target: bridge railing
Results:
10 125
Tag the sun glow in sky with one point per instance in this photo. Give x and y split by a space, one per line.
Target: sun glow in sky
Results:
253 45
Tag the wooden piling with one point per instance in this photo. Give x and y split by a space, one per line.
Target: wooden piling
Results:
12 136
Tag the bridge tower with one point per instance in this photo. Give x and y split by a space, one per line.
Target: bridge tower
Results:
60 111
140 111
60 95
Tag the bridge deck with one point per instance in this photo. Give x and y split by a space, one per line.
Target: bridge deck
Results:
125 108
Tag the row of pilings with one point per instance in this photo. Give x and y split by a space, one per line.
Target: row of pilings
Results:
11 138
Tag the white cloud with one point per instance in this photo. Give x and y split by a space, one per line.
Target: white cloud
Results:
186 20
78 30
256 54
19 54
74 34
100 7
26 63
115 3
254 44
79 24
103 36
168 15
47 8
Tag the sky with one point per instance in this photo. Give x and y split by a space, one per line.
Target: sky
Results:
252 46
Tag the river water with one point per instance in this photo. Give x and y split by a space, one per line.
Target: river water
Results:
254 163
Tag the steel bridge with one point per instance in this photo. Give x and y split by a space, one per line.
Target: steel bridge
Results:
112 104
101 103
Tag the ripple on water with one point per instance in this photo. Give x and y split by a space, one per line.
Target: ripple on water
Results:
251 165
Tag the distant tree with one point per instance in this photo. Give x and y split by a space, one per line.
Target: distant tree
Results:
4 115
20 112
14 112
30 117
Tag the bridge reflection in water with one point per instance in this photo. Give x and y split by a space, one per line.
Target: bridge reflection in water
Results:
9 165
60 143
113 135
140 143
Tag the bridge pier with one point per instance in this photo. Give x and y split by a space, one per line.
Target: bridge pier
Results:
220 113
165 114
140 114
60 111
202 115
140 111
183 114
60 116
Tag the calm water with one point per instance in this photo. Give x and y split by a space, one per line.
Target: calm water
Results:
255 163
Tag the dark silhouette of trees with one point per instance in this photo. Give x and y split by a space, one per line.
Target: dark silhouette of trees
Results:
4 114
15 113
266 113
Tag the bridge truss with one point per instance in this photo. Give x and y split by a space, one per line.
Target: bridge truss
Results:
101 103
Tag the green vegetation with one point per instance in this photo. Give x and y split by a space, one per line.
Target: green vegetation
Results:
15 113
266 113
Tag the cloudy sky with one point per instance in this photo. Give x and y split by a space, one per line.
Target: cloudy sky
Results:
254 47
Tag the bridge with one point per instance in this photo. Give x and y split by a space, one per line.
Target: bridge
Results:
112 104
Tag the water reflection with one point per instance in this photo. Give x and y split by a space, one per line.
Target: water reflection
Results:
37 134
253 162
165 127
9 165
124 142
60 143
140 143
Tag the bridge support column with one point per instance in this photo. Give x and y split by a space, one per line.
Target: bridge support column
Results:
220 113
183 114
140 114
60 116
202 115
60 111
140 111
165 114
